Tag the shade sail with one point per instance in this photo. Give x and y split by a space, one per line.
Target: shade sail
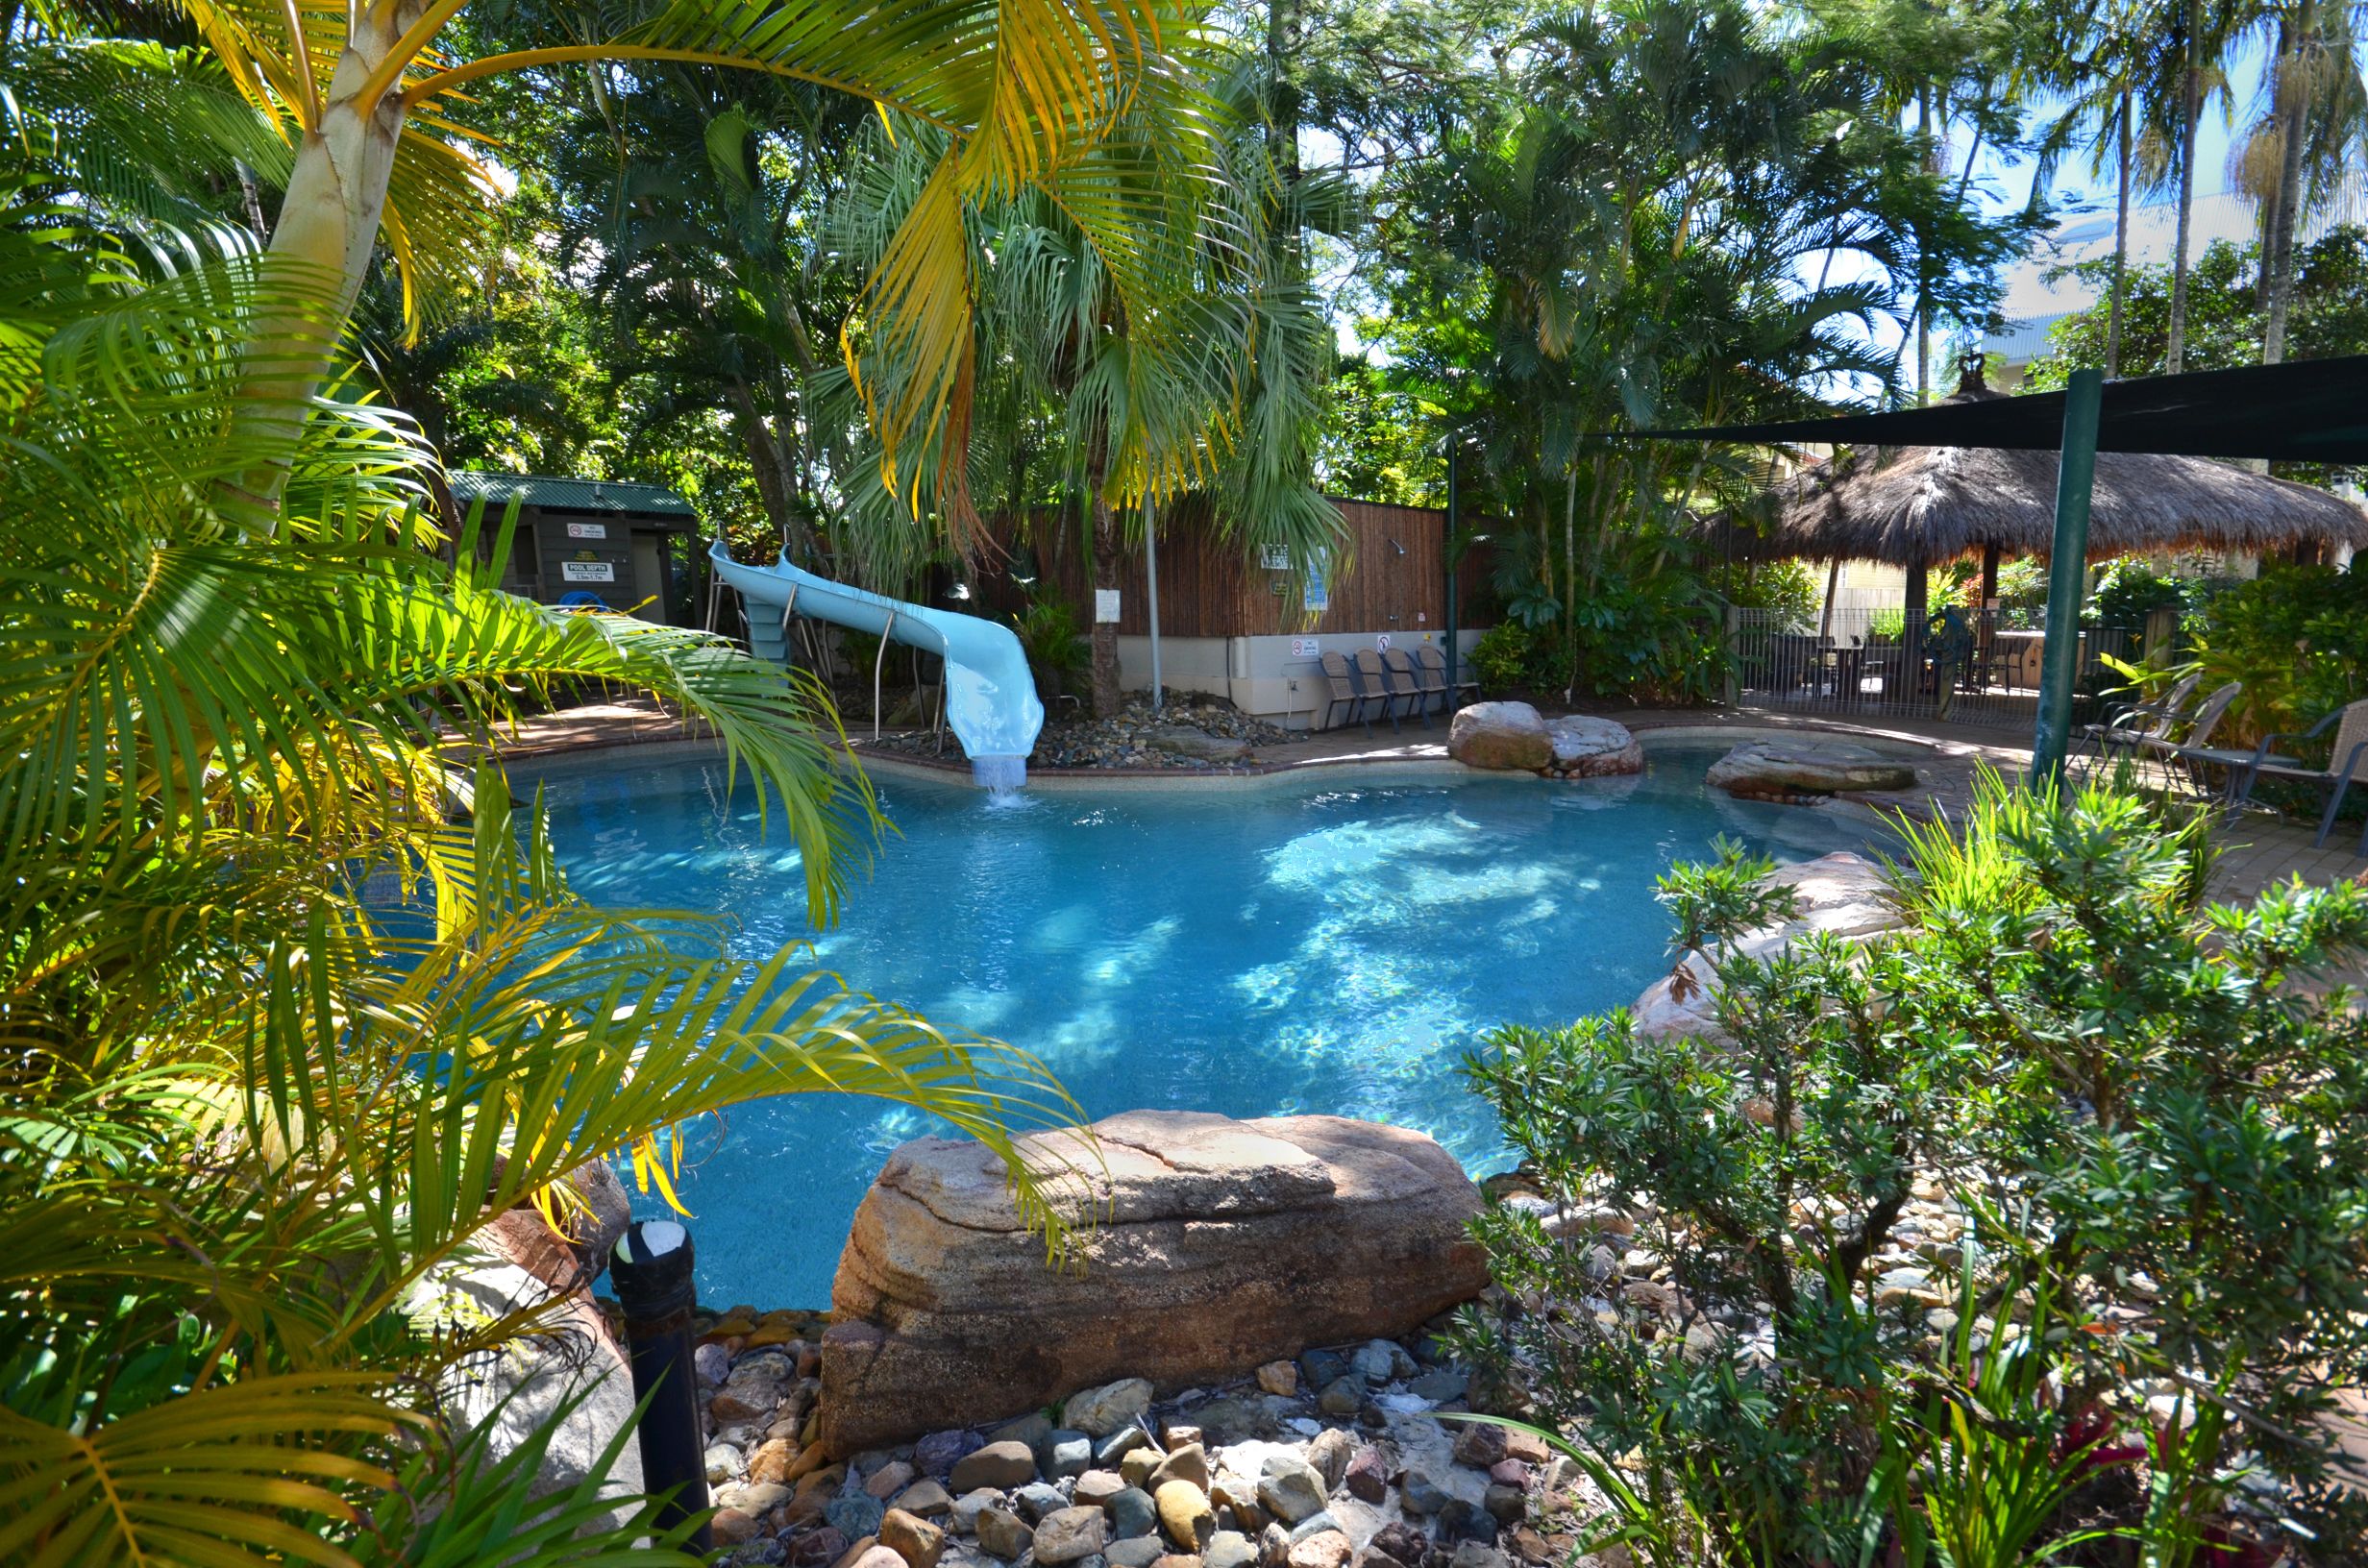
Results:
2307 412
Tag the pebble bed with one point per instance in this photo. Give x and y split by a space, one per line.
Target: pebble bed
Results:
1332 1458
1190 731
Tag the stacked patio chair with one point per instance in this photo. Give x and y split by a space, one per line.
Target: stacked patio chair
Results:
1376 683
2347 763
2195 752
1435 670
2130 727
1403 680
1343 693
1431 676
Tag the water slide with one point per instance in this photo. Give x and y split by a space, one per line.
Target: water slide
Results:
990 696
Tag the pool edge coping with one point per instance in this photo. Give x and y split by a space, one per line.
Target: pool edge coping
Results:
567 761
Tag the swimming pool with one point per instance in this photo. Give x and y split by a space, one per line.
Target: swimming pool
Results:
1327 945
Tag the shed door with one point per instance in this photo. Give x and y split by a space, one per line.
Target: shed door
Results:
650 576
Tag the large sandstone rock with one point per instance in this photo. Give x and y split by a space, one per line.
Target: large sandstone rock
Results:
516 1392
1503 735
1215 1245
1842 895
1586 746
1781 770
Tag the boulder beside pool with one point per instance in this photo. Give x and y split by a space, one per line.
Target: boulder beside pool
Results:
1214 1246
1788 770
1504 736
1586 746
1511 737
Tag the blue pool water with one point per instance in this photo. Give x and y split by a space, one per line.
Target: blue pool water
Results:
1333 947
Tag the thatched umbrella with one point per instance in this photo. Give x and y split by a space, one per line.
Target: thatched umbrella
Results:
1920 505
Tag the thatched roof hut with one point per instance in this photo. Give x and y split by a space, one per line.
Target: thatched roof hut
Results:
1935 503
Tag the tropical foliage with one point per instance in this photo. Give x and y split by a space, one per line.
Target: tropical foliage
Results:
297 999
2138 1115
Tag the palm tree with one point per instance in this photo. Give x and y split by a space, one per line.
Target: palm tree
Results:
250 1114
368 93
251 1109
2309 142
2102 68
2193 74
1209 385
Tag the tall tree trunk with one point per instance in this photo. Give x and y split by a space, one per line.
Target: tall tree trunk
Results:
2121 244
1923 267
1108 697
1283 110
2190 112
328 226
775 487
2293 109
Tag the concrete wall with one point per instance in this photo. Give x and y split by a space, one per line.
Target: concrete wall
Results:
1280 680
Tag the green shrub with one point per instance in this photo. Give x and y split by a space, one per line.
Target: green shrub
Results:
2127 589
2296 637
1500 660
1789 588
2118 1090
1050 638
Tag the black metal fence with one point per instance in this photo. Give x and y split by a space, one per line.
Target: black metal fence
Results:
1975 668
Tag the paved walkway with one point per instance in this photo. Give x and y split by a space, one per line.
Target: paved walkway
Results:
2257 852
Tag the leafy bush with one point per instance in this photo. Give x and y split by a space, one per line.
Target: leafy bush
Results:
1505 657
2296 637
1050 638
2127 589
2135 1125
1789 588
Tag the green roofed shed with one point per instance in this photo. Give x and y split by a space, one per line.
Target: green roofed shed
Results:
617 544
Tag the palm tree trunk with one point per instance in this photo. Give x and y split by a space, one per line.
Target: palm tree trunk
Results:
2190 112
773 482
2277 266
328 226
1108 697
2121 244
1923 281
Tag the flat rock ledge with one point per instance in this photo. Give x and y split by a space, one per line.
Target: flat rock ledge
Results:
1842 895
1215 1246
1807 770
1511 737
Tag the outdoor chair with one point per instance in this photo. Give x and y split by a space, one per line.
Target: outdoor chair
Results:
1376 683
2347 763
2131 727
1405 682
1343 693
2195 751
1434 664
1431 676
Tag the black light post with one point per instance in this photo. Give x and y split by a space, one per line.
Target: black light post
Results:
651 1271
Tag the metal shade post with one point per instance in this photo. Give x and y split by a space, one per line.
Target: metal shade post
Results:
2067 576
651 1271
1151 568
1455 689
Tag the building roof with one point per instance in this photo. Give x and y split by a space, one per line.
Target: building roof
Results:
560 495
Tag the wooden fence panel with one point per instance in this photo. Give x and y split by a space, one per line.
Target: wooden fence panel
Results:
1391 578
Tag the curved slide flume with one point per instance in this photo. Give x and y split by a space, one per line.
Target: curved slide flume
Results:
990 696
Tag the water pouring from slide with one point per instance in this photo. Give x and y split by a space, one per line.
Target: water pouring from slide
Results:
1000 775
